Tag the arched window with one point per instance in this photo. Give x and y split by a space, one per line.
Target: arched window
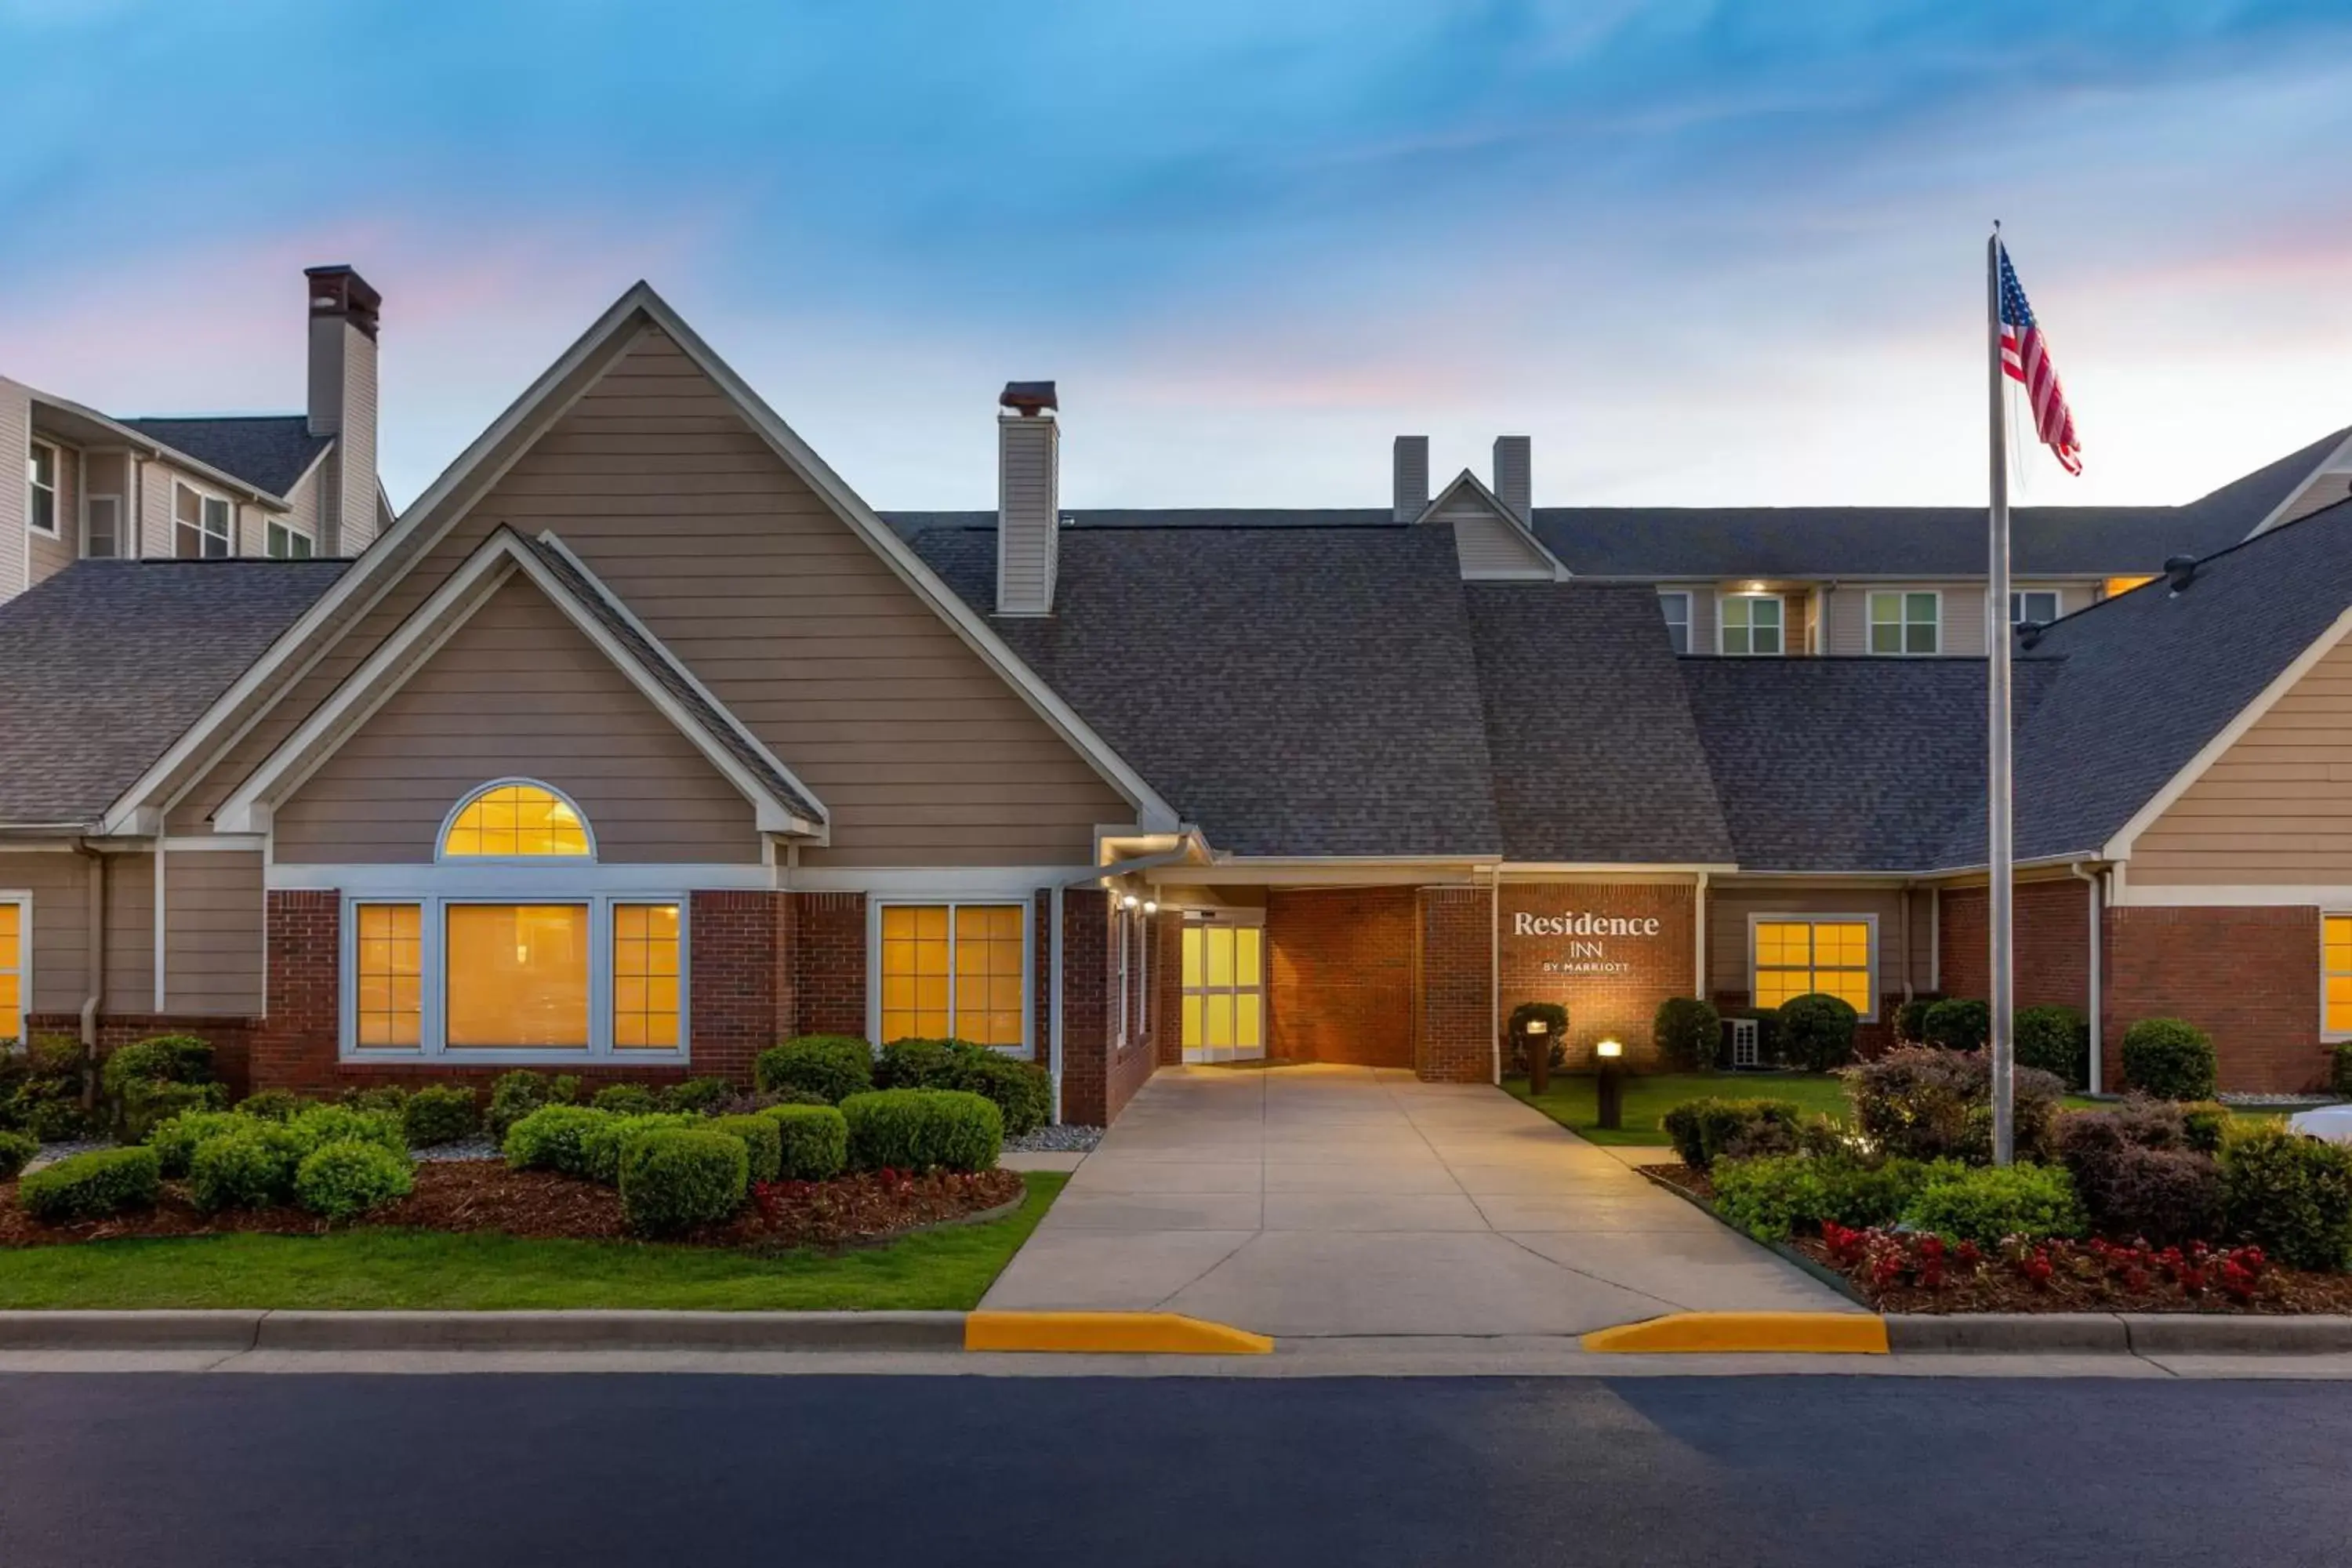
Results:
517 820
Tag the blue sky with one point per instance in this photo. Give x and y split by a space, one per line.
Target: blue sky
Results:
1703 253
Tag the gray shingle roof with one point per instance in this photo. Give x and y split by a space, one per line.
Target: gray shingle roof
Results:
1293 692
268 451
662 665
1595 756
108 662
2150 677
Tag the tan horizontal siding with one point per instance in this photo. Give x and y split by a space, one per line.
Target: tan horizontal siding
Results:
790 618
212 908
519 691
59 881
2275 806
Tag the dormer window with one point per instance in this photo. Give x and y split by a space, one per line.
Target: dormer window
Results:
202 527
1676 603
1907 622
41 489
2033 607
1752 625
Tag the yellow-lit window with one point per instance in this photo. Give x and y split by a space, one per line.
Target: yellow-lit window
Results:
2125 585
390 971
953 970
516 976
2336 974
645 977
1797 957
12 971
516 820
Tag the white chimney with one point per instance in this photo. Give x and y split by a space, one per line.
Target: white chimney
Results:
1515 480
1028 499
1410 465
343 405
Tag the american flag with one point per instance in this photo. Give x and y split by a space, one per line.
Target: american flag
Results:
2025 355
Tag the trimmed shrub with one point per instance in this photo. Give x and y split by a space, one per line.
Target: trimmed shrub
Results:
1987 1204
1779 1195
51 1112
323 1125
814 1142
271 1105
379 1096
754 1101
1817 1031
2056 1040
1920 1102
914 1063
166 1058
2339 1070
834 1065
16 1151
175 1140
2289 1194
549 1138
764 1141
1688 1032
627 1100
698 1096
1022 1094
252 1166
2170 1059
2139 1176
1956 1023
922 1130
602 1145
146 1101
91 1186
439 1113
675 1179
516 1095
2206 1124
1708 1129
1911 1020
343 1180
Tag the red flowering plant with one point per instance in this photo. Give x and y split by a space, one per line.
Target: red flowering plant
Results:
1884 1260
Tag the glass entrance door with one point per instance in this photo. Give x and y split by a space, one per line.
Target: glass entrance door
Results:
1225 993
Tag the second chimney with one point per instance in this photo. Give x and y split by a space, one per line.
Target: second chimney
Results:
1410 463
1028 497
1515 480
343 404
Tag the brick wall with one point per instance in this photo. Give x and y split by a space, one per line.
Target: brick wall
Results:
1093 1086
1454 998
2051 938
740 946
1167 990
231 1035
1339 974
1610 984
829 963
2248 977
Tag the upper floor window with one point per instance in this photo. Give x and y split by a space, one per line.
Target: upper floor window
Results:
1678 607
1752 623
2033 607
1907 622
287 543
202 526
41 488
102 528
2125 585
516 820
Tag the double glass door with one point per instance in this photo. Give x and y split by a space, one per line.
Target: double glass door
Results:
1225 993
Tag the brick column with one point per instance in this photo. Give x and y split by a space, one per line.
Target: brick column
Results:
828 961
1168 988
295 1044
740 950
1454 1041
1087 1096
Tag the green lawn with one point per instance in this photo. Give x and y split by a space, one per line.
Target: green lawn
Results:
944 1269
1574 1101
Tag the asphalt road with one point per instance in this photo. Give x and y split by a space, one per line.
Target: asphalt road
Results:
249 1471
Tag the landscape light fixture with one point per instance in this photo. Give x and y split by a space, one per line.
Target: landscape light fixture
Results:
1539 1048
1613 1082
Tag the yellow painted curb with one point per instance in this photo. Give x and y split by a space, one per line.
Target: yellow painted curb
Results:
1131 1334
1813 1333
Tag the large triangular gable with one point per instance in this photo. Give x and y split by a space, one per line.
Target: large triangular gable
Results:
1491 541
2328 483
781 803
489 459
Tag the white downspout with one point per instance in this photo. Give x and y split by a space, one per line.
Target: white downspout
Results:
2097 987
1698 944
1495 969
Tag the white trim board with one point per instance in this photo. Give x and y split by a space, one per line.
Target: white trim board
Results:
2336 898
569 879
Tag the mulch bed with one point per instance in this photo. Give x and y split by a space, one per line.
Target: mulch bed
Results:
483 1196
2078 1281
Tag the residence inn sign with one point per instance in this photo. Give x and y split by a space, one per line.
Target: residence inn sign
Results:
1585 938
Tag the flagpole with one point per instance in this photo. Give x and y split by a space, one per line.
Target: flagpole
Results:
2001 886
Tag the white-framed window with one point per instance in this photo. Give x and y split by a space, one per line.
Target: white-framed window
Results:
1130 976
203 526
41 488
2033 607
1792 955
286 542
1676 603
1751 623
950 968
102 536
2336 977
15 967
1906 621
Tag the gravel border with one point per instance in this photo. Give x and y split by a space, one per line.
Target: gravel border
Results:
1056 1139
480 1146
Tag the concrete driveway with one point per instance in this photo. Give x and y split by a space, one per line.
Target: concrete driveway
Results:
1328 1201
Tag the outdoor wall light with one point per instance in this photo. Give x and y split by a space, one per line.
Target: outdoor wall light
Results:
1612 1086
1151 905
1131 901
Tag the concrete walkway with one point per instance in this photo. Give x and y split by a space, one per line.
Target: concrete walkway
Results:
1328 1201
